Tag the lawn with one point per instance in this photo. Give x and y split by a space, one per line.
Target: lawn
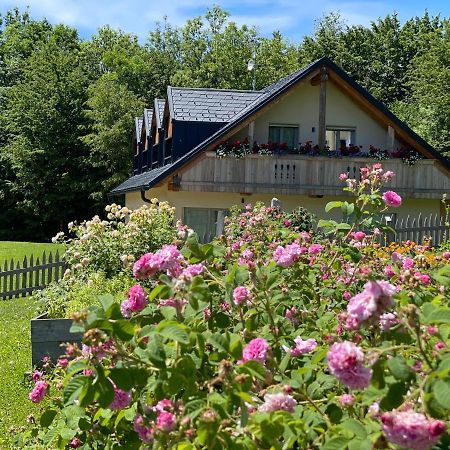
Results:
15 347
15 361
17 250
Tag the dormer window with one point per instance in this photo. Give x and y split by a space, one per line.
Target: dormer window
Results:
338 138
284 134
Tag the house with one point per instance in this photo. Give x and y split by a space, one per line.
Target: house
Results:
178 146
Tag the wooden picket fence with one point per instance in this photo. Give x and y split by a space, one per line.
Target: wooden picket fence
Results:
419 229
19 279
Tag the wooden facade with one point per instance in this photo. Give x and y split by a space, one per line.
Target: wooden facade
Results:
309 175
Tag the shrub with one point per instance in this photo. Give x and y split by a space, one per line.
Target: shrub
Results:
329 344
63 298
101 253
260 226
112 244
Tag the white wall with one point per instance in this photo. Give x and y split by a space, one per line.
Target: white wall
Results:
301 107
220 200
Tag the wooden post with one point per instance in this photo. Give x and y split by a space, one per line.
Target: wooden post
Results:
390 139
251 133
322 107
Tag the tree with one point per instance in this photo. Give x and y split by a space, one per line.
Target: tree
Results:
428 108
111 108
43 113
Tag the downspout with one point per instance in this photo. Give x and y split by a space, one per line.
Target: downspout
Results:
144 198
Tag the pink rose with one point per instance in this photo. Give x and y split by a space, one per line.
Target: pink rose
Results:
38 392
391 198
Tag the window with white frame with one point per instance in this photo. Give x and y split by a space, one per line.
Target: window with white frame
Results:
206 222
337 138
284 134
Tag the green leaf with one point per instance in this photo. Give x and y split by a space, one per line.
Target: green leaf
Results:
220 341
67 434
399 368
105 391
444 365
332 205
87 394
336 443
73 388
156 353
439 315
357 444
357 428
222 320
343 226
76 328
124 329
334 413
394 396
443 276
347 208
47 417
122 378
253 368
107 301
75 367
441 391
160 291
326 223
174 331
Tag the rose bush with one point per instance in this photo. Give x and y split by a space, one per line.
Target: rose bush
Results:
100 255
116 242
306 343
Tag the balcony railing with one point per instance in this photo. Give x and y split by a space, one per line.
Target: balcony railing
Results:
298 174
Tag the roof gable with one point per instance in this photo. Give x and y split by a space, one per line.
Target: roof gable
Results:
148 113
159 106
138 122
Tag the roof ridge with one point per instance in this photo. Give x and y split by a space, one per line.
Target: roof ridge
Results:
248 91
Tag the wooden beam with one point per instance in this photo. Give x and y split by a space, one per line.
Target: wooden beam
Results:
315 81
251 133
390 138
323 107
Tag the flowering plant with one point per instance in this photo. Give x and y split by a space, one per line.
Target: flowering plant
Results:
111 244
236 149
304 343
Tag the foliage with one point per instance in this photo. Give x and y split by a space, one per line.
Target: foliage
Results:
112 244
259 227
65 297
15 357
42 114
111 110
312 343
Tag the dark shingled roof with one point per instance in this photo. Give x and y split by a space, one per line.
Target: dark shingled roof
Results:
138 121
137 181
266 96
160 104
208 105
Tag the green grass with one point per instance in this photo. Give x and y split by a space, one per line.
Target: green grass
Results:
15 361
15 346
17 250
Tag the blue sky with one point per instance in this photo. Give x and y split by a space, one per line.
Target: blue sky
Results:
294 18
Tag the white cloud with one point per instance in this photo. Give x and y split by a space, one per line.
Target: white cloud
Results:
292 17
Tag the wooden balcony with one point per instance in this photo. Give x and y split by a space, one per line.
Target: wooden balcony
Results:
298 174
